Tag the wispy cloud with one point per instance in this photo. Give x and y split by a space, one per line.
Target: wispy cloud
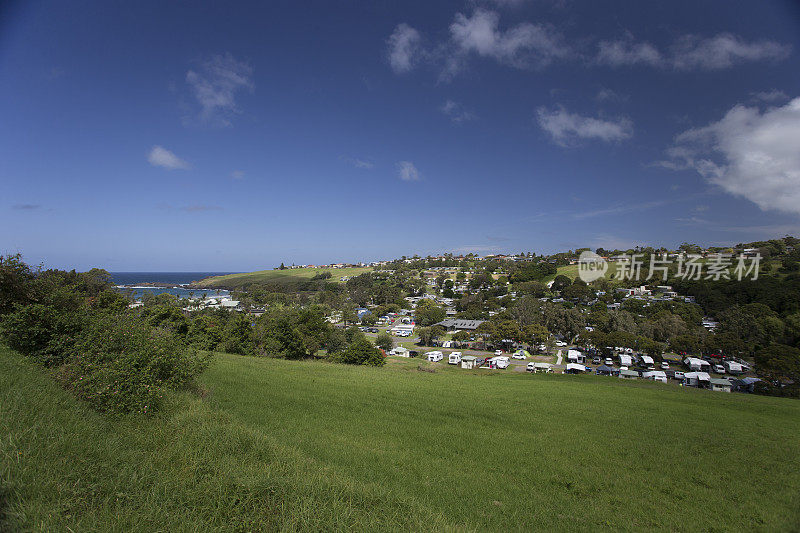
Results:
214 85
237 175
26 207
566 128
771 96
357 162
407 171
456 112
607 95
525 45
690 52
161 157
404 48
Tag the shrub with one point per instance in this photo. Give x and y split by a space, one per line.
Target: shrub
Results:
360 352
42 332
384 341
124 365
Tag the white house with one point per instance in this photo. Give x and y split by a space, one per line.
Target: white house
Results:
400 351
720 385
468 362
403 330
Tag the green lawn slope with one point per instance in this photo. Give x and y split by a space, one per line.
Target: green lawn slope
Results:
233 281
275 444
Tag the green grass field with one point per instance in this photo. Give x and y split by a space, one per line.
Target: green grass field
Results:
277 276
571 271
275 444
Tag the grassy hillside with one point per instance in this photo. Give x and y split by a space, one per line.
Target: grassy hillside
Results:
277 444
277 276
571 271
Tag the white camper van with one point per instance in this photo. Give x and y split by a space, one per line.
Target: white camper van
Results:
500 361
434 356
454 358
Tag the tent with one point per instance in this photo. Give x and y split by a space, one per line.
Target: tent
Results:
574 368
696 379
604 370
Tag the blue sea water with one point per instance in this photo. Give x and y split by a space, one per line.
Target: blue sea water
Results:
134 280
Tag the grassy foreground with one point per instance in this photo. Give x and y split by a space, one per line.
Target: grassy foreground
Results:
277 276
291 445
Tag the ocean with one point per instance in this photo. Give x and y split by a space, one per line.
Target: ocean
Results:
133 281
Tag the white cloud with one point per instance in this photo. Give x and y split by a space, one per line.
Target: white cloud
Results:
771 96
607 95
690 52
407 171
626 52
215 84
456 112
723 51
366 164
522 46
237 175
748 153
565 127
161 157
404 48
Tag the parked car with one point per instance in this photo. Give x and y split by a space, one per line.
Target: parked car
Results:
719 369
609 361
664 365
679 375
596 360
561 344
518 355
498 352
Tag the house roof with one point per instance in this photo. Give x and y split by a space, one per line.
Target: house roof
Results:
459 323
723 382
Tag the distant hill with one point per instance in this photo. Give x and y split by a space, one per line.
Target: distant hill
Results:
272 277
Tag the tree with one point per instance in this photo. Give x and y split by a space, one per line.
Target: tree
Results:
360 352
779 362
428 313
238 335
384 341
561 282
425 335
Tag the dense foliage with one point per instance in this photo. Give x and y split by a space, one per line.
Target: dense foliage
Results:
112 357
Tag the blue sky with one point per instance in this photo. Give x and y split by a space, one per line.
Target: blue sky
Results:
181 136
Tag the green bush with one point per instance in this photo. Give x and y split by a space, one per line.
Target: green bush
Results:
124 365
360 352
42 332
